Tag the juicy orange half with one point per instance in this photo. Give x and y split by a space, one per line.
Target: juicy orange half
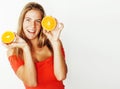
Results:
8 37
48 23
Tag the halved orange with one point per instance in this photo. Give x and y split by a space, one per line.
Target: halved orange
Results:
48 23
8 37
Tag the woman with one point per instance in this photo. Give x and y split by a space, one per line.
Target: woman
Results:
37 56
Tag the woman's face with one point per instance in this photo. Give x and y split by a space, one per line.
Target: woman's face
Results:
32 24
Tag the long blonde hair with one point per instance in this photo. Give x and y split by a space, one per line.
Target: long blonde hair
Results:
42 37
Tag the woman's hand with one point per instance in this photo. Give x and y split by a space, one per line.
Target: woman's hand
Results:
54 34
18 42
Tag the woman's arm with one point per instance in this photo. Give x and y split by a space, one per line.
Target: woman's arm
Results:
60 67
26 72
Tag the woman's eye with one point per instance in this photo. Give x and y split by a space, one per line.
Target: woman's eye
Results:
28 20
38 21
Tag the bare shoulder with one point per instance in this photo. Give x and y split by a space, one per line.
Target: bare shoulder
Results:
10 52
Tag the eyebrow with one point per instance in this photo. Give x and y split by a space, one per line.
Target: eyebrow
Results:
30 18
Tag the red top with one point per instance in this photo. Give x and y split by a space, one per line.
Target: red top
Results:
46 78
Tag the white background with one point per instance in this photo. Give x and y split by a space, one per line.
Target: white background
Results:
91 38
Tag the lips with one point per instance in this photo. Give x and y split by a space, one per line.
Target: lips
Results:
31 31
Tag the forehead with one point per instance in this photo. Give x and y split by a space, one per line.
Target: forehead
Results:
34 14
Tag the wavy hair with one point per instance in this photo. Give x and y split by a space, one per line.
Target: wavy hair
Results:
42 37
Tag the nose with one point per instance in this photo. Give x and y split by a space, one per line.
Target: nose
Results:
33 24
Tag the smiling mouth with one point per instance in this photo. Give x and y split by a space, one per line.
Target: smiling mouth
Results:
31 31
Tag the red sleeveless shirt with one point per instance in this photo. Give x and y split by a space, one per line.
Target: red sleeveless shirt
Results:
45 74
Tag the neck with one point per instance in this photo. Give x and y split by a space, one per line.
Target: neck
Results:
34 43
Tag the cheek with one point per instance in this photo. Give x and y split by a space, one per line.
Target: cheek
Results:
24 29
38 31
24 25
38 27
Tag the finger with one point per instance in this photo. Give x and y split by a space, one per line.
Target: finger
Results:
56 22
47 33
5 45
61 26
13 45
16 37
8 46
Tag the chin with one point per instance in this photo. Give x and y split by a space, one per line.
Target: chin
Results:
31 38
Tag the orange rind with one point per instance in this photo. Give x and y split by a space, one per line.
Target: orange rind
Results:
48 23
8 37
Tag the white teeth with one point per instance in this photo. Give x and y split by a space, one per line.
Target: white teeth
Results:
31 31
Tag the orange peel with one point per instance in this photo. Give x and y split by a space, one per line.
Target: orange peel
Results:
8 37
48 23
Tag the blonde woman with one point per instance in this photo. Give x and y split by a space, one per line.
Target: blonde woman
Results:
37 56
